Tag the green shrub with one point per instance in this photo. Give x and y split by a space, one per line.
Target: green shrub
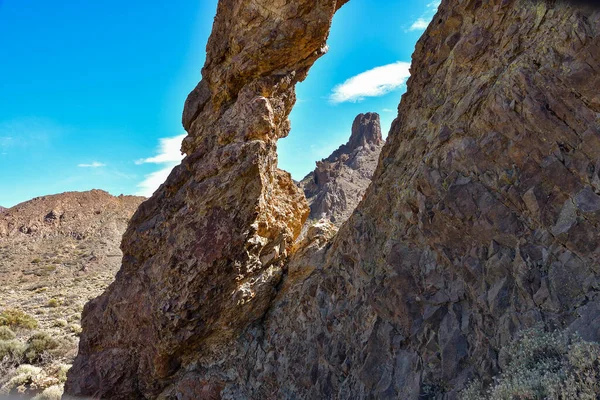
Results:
53 303
38 345
14 318
6 333
11 351
544 365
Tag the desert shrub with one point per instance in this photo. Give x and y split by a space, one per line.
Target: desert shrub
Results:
14 318
23 376
53 303
6 333
51 393
40 345
60 323
12 351
75 329
544 365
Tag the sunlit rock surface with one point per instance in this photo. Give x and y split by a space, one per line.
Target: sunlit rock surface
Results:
337 185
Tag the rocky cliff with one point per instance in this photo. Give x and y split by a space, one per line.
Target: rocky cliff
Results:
337 185
482 219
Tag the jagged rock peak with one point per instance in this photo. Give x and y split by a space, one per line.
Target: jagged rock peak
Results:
338 183
366 129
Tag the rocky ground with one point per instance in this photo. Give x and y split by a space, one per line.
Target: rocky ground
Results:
339 182
56 253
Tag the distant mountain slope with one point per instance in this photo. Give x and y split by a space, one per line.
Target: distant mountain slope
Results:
2 209
339 182
63 247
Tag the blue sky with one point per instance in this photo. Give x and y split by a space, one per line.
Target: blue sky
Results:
92 92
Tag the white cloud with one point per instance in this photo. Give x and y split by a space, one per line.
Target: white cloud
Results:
169 155
152 181
372 83
169 150
94 164
388 110
422 22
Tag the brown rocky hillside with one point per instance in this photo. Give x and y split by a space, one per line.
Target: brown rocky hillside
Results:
56 253
63 247
337 185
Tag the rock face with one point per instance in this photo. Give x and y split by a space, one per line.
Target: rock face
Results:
2 209
63 247
337 185
482 219
203 258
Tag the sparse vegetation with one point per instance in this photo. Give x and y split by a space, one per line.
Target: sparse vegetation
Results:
544 365
14 318
6 333
53 302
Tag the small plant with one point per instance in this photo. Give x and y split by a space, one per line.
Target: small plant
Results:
75 329
38 345
36 261
14 318
6 333
52 393
11 351
54 302
60 323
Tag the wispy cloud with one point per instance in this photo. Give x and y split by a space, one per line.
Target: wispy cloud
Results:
388 110
169 155
372 83
169 151
94 164
421 23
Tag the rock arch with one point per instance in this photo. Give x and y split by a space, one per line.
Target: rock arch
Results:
481 219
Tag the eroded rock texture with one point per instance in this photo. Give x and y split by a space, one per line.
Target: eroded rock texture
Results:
482 219
203 257
337 185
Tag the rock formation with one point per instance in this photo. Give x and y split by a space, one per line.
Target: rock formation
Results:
337 185
2 209
482 219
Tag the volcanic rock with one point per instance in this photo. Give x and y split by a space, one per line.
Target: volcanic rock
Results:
337 185
203 258
482 219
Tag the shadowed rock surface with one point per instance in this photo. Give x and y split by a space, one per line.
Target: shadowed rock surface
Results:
482 219
337 185
2 209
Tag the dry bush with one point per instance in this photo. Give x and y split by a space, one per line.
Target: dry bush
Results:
14 318
6 333
544 365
